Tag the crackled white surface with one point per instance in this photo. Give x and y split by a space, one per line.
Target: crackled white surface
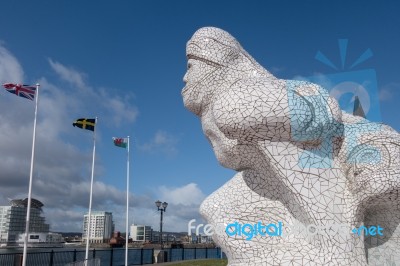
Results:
300 160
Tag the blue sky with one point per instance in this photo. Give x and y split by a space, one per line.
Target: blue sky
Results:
123 61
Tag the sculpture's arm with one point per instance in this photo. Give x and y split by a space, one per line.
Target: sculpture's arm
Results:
275 110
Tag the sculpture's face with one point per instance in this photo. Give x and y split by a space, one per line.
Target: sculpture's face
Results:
198 98
197 89
196 70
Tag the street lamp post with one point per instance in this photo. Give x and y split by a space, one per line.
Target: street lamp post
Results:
161 207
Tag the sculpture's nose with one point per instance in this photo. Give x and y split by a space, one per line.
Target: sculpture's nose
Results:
192 99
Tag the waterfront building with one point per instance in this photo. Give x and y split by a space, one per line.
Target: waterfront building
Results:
42 240
143 233
13 220
167 237
199 239
101 227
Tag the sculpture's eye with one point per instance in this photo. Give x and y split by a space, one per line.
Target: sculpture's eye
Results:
189 65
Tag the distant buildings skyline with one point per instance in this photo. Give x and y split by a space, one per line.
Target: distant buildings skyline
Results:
13 220
101 227
141 233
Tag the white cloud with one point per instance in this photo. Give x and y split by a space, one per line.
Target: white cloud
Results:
183 206
161 142
68 74
318 78
276 70
299 77
120 108
115 108
386 93
187 195
10 69
59 219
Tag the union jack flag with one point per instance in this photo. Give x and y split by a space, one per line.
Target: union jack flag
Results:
24 91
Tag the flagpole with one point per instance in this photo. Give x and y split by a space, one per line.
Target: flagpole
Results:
127 206
28 211
90 197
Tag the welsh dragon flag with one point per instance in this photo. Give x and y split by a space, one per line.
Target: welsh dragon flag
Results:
120 142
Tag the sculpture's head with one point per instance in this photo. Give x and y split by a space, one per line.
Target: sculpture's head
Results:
213 54
215 61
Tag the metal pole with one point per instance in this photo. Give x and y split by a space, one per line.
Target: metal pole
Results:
28 211
90 197
161 222
127 206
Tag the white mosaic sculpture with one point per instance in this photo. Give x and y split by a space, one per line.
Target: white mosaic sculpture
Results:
301 162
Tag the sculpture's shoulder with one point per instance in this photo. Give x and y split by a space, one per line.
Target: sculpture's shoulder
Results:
257 83
242 110
260 88
263 108
245 94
